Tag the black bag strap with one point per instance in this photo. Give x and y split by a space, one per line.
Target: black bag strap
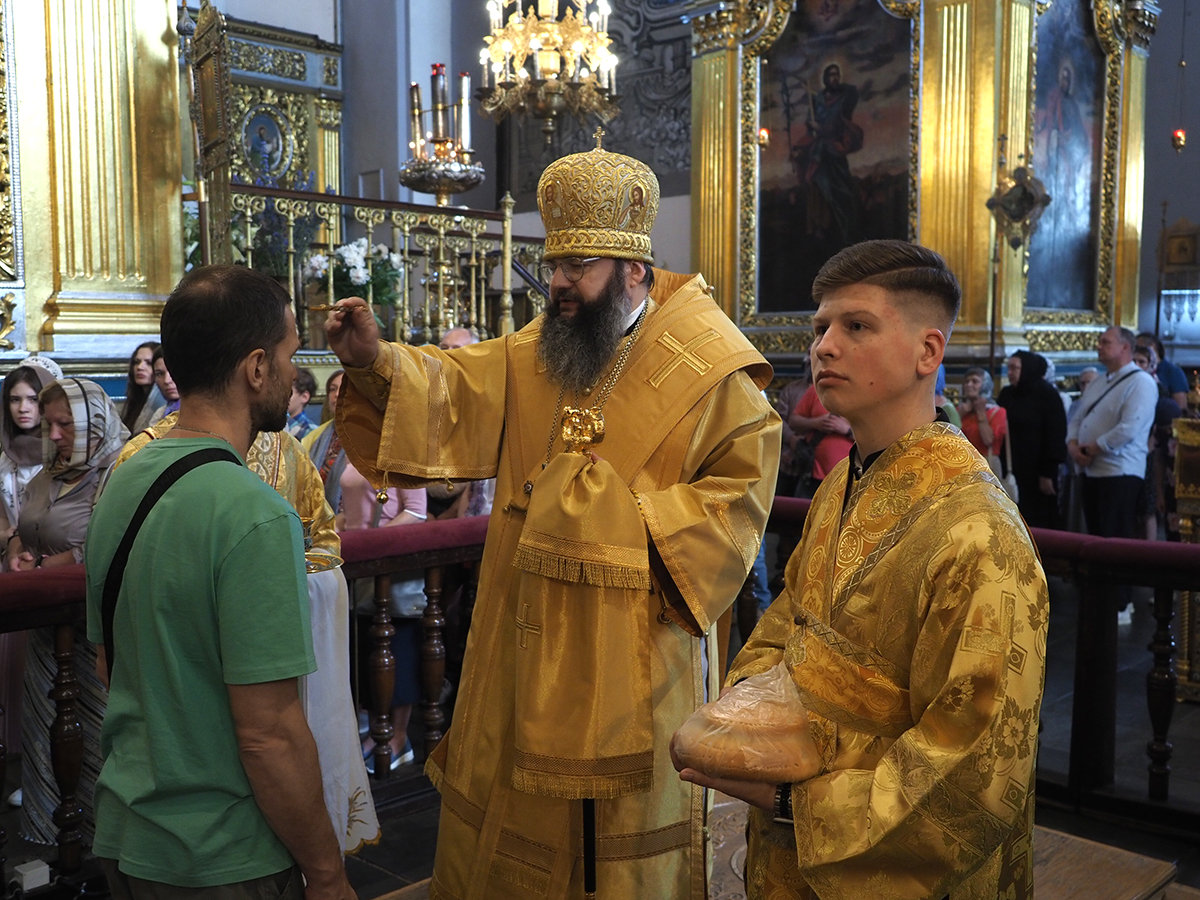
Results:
1105 394
116 568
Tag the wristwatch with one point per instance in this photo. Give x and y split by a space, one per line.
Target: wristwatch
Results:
783 804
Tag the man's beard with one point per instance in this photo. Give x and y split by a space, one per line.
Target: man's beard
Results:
577 349
271 414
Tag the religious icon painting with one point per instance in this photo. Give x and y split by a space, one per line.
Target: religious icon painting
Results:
1068 117
267 142
835 98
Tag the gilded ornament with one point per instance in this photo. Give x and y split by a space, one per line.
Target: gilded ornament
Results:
598 204
8 320
8 251
1062 317
1141 22
1051 340
720 30
250 57
329 113
330 76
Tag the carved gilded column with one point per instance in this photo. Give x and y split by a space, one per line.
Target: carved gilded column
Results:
1140 23
976 86
716 146
99 119
329 155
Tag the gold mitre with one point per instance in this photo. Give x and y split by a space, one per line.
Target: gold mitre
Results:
598 204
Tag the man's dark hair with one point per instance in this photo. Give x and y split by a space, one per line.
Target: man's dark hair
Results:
897 266
157 355
304 382
216 317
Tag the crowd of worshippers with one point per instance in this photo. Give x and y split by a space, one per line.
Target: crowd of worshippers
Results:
1099 459
59 438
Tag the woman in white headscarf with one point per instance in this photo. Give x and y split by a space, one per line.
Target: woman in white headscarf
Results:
20 460
82 434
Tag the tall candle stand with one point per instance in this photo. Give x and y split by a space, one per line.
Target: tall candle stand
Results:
441 163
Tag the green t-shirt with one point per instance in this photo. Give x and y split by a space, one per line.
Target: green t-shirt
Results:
215 593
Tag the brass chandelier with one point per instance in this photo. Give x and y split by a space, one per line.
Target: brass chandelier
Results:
538 65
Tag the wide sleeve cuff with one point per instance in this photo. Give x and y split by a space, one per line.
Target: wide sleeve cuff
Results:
375 381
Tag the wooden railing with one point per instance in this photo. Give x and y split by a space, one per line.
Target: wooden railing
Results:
54 598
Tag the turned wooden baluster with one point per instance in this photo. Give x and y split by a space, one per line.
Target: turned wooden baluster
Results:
433 660
1160 693
383 677
66 750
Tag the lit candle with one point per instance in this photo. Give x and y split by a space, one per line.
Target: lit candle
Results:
483 64
414 119
612 75
440 106
464 110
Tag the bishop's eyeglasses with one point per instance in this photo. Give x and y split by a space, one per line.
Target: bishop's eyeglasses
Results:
572 269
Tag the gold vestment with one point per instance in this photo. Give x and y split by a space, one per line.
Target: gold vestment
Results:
690 454
914 622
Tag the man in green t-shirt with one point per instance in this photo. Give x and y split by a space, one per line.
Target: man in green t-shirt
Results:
210 775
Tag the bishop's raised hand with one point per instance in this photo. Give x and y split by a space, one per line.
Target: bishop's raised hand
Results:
353 333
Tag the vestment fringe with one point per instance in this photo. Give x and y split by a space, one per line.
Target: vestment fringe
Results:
577 571
582 787
521 875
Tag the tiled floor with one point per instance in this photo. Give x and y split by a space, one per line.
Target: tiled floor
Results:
405 852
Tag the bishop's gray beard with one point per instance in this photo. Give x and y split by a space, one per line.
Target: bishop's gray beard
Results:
576 350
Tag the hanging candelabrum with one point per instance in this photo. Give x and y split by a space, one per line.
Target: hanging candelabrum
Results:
1179 135
538 65
441 162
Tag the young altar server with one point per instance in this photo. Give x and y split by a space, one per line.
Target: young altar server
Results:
913 622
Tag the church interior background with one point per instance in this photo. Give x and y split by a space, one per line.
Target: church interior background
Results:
950 100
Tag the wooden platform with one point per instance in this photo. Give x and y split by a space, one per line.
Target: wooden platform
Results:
1070 868
1064 868
418 891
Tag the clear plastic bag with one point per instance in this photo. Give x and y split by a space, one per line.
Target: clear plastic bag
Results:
757 732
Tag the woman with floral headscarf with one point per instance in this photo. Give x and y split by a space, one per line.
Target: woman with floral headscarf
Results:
82 434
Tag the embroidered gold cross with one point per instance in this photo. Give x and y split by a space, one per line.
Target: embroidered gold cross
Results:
684 354
527 628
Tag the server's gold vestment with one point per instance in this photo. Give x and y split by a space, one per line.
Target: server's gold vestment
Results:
914 623
579 665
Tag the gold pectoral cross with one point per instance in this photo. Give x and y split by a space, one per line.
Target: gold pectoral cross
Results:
581 428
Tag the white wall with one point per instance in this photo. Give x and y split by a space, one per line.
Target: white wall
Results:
1170 176
671 237
319 17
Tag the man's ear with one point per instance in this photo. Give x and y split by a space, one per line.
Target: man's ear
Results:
931 351
256 367
635 274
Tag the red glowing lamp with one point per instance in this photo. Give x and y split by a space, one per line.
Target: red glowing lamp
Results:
1179 139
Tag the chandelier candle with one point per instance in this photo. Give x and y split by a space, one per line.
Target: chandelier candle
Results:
464 112
414 121
441 129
